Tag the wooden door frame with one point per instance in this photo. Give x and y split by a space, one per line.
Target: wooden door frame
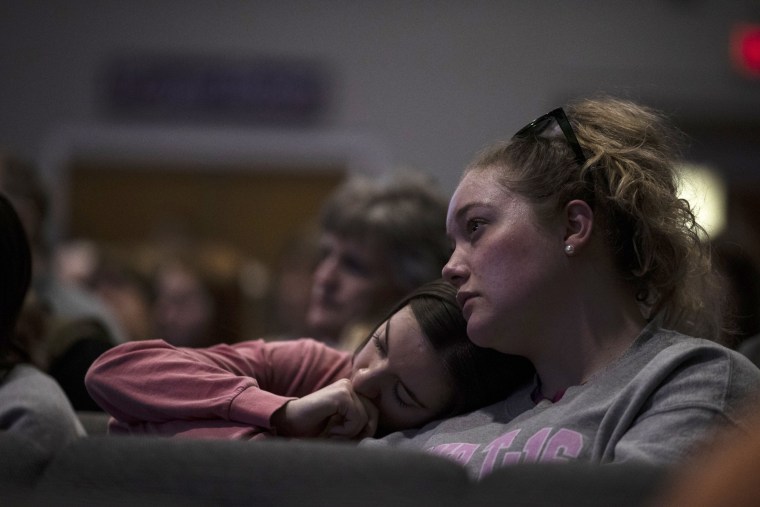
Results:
224 147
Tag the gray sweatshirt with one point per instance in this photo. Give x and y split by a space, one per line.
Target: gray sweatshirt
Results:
667 393
33 405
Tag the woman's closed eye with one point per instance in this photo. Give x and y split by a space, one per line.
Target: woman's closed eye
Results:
403 396
378 343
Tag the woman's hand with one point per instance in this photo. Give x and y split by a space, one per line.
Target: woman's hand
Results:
333 411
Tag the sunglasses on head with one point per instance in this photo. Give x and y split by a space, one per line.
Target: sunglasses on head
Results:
540 124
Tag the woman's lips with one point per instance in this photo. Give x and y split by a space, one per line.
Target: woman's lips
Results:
464 299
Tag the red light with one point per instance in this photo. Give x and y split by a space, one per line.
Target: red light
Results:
745 49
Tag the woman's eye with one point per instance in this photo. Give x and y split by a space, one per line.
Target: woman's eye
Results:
378 344
397 393
474 226
356 266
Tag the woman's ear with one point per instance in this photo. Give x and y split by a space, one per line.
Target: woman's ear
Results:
579 222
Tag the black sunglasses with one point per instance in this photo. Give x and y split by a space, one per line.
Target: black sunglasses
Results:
539 125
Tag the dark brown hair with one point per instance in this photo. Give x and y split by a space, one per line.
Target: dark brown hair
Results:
479 376
15 277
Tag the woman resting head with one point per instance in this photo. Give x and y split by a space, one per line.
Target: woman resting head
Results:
416 366
419 365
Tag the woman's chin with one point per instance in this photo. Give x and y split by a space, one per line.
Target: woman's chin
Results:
478 334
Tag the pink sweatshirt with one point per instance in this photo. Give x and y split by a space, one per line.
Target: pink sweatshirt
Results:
225 391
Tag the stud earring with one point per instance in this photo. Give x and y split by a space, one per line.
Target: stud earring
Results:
569 250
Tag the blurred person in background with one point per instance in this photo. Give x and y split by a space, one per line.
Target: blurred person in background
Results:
167 288
32 404
126 291
415 365
289 292
379 239
21 182
74 326
184 309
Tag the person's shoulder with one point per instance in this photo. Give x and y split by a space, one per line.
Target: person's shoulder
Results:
705 356
675 371
670 342
679 341
37 402
32 384
28 375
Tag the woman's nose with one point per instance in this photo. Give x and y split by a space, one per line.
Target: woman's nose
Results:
325 272
454 271
367 382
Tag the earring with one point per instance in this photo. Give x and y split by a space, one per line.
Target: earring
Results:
569 250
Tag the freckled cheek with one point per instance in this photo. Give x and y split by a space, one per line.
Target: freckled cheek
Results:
487 260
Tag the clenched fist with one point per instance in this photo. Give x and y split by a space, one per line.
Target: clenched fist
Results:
333 411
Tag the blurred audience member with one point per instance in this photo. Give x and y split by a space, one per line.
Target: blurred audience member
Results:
75 261
379 240
184 307
21 183
127 293
112 276
741 271
740 267
31 402
75 326
290 286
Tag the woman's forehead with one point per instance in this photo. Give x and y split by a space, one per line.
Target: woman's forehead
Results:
478 189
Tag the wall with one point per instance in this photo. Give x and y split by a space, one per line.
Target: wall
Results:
430 81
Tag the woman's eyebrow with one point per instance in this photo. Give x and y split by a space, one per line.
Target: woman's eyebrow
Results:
461 212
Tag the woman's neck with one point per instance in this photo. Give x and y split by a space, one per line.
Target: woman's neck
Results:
598 326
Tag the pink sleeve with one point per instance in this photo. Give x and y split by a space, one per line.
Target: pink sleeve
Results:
197 429
154 382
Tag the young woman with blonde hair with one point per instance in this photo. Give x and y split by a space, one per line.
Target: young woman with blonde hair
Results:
572 248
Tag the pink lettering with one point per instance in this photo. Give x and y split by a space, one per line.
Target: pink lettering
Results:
563 445
492 451
535 444
460 452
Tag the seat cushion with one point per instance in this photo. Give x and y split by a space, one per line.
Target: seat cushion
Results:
571 484
21 461
273 472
